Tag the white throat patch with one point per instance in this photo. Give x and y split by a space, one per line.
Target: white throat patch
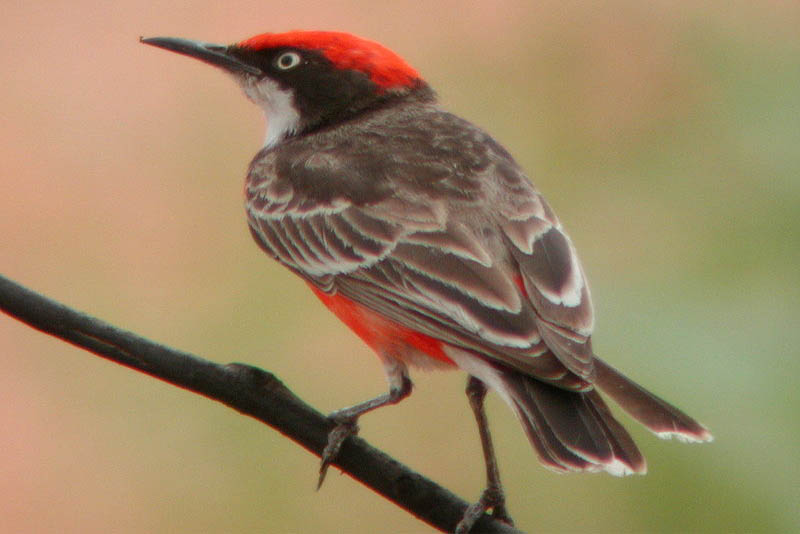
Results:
278 105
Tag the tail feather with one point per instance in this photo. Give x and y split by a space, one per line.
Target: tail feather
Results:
656 414
575 430
564 412
621 442
571 431
552 453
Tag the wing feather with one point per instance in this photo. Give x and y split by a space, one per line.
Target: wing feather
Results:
490 286
469 253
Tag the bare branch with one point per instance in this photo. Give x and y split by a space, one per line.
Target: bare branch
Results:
251 391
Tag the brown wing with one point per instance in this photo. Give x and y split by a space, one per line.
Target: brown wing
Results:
453 242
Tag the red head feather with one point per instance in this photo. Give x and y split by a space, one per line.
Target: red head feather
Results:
345 51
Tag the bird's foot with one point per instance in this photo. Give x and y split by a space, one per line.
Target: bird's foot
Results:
492 498
345 427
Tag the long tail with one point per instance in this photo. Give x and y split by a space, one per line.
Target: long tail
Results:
575 431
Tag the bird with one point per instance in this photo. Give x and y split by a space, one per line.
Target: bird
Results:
425 237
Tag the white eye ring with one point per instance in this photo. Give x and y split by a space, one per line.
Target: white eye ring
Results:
288 60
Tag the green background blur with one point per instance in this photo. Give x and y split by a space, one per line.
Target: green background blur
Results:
666 135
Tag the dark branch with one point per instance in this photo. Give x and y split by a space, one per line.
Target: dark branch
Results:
251 391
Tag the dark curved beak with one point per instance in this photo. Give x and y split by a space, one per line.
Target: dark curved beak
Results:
213 54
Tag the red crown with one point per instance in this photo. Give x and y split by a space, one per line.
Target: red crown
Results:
345 51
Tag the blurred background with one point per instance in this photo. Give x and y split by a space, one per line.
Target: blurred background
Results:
664 134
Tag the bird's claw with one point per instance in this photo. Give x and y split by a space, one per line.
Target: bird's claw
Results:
491 498
344 429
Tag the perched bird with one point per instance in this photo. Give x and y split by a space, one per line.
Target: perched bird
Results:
424 236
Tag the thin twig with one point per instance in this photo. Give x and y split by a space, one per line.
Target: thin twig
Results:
251 391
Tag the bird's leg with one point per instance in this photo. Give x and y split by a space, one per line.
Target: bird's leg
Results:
492 497
346 419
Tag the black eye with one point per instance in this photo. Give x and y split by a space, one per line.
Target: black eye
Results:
288 60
